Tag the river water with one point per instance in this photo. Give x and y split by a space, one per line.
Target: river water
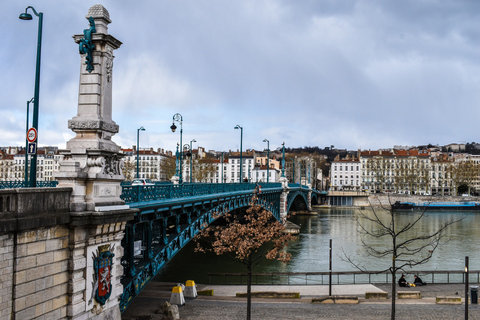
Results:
310 252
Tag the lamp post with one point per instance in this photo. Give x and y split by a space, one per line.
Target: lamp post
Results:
191 158
138 146
268 156
466 288
241 159
27 16
283 159
26 144
178 118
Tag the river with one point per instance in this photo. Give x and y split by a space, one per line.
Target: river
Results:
310 252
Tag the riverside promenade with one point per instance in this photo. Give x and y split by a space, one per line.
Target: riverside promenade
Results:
225 305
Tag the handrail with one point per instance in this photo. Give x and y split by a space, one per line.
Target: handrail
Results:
21 184
170 191
349 277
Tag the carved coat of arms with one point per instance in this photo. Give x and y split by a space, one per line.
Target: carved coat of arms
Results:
102 264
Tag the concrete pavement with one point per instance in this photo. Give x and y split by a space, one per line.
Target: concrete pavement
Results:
224 304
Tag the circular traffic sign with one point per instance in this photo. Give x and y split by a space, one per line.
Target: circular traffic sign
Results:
32 135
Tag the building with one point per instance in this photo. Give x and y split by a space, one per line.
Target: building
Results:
345 174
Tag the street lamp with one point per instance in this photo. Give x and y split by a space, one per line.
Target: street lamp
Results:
268 156
27 16
241 159
138 147
191 158
26 144
178 118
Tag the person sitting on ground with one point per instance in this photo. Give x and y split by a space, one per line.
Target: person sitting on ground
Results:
418 281
402 282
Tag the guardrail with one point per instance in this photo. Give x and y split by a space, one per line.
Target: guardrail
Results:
159 192
21 184
343 277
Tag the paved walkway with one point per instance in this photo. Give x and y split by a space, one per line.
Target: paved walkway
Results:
224 304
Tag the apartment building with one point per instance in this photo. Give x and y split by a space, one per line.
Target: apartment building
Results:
345 174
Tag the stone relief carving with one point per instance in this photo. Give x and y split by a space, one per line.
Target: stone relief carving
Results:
109 65
110 165
92 124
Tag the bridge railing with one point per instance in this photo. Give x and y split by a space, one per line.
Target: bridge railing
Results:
21 184
169 191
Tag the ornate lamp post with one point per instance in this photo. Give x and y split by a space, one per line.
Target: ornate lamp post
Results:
27 16
26 144
241 159
138 146
191 158
283 159
268 157
178 118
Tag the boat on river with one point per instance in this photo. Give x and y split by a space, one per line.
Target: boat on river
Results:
437 206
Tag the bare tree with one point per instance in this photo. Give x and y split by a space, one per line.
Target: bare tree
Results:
167 168
129 170
405 250
248 239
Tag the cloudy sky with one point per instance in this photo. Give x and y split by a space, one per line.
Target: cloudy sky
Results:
353 74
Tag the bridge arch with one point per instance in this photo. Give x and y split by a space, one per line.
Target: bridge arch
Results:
161 229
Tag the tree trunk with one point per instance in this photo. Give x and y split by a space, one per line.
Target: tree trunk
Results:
394 292
249 288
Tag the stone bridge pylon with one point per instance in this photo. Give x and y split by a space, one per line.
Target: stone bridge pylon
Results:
60 248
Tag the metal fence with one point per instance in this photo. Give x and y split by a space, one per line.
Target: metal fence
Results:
21 184
345 277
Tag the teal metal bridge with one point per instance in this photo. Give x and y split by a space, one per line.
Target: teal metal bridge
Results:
171 215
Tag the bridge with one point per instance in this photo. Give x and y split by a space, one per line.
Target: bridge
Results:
169 216
82 249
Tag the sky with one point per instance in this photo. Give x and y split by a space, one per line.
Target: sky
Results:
363 74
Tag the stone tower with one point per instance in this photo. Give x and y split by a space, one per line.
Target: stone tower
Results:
92 163
92 168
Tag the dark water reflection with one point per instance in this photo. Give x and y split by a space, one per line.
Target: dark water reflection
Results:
311 251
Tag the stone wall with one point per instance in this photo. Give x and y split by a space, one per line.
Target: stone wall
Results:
47 255
41 273
6 276
34 253
386 199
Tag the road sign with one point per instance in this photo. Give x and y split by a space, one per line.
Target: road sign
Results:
32 148
32 135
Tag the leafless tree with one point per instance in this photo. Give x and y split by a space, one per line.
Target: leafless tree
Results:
248 239
398 243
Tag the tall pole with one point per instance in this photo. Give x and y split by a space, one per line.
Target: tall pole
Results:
241 158
293 160
26 144
283 160
268 156
466 288
191 157
179 118
330 272
26 16
138 146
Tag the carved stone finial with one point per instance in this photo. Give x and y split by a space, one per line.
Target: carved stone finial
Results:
98 11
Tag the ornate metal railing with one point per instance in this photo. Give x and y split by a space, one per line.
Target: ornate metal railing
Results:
21 184
159 192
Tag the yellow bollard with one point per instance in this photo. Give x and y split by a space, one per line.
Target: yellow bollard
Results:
190 289
177 296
